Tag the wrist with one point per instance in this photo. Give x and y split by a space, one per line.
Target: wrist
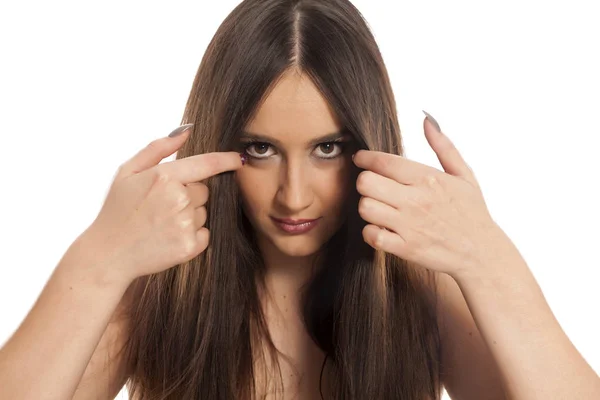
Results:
497 257
93 266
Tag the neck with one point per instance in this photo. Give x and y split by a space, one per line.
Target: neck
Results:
285 276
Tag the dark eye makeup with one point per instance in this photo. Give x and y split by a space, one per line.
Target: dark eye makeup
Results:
262 150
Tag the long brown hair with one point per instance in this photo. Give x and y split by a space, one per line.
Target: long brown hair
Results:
372 314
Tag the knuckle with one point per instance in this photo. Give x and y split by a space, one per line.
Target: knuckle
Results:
188 246
204 192
430 180
154 145
201 216
175 195
203 238
379 240
362 180
183 222
364 205
160 176
182 199
198 192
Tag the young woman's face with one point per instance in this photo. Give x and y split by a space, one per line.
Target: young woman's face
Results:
298 168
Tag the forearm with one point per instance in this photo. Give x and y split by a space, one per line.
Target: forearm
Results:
47 356
536 358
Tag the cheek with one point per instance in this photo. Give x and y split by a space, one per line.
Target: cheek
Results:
333 186
253 191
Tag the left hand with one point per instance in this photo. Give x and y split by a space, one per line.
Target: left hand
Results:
437 219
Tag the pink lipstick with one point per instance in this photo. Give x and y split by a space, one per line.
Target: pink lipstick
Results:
295 226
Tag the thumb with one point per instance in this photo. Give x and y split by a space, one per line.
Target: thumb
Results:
155 152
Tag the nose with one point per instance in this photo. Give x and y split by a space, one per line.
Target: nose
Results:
295 193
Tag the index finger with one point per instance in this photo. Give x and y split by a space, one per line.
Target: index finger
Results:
201 166
393 166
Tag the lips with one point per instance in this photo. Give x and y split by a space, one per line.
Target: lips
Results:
295 226
289 221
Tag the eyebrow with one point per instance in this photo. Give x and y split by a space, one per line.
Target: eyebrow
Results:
330 137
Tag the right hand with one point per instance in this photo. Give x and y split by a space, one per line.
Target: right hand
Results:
154 214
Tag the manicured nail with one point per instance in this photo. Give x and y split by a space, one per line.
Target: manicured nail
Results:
432 120
244 158
180 130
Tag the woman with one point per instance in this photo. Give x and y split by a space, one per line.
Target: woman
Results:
230 295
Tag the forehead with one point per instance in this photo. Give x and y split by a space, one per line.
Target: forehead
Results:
294 111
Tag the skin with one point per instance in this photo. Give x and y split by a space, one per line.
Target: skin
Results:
294 183
499 338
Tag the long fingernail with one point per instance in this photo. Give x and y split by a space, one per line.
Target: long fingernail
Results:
432 120
180 130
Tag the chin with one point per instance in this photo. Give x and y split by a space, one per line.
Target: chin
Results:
297 246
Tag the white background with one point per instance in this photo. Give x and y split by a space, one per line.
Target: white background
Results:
515 84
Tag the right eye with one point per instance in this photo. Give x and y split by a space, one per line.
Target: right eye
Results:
258 150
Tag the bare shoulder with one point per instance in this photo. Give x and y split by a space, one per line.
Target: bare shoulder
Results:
108 369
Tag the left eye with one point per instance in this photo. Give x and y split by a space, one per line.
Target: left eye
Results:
329 149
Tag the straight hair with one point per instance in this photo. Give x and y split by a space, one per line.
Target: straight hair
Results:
197 328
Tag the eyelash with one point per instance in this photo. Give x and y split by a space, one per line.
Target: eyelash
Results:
339 143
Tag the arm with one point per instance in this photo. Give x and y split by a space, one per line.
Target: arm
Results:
108 369
468 369
48 354
535 357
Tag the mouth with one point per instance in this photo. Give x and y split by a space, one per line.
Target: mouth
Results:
295 226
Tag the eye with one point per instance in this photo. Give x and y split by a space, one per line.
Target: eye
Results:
330 149
264 150
258 150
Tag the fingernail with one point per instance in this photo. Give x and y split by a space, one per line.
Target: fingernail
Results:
432 120
244 158
180 130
